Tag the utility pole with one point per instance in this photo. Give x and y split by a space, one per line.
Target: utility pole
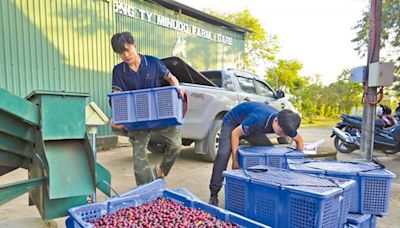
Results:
368 124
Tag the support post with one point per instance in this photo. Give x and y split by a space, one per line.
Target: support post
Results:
368 124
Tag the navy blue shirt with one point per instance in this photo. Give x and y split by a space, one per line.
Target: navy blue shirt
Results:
149 74
255 117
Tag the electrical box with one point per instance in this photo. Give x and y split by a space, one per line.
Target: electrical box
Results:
380 74
358 74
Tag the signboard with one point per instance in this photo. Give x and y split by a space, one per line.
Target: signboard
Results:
130 11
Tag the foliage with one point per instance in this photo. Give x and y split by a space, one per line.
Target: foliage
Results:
320 122
312 99
260 47
345 94
396 84
390 33
316 100
390 36
287 72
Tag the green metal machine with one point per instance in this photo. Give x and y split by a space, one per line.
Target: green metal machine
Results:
45 133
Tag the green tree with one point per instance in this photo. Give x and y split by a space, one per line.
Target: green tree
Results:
390 36
343 94
310 96
313 99
287 73
390 33
260 47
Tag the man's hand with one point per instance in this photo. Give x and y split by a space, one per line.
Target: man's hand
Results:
235 138
173 81
181 92
299 142
235 165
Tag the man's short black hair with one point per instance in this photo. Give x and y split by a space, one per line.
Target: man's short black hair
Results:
119 40
289 122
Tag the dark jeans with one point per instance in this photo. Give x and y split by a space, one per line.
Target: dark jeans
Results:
224 152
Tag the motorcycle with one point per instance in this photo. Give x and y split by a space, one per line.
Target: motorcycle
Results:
347 135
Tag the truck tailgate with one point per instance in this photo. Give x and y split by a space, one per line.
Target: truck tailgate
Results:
185 73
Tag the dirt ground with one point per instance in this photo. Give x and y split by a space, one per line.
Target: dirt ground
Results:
189 172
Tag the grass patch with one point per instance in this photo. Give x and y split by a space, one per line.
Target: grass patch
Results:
319 123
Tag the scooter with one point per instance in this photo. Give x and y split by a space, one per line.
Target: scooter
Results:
347 135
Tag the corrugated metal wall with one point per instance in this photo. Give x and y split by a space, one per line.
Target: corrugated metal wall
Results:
160 41
65 45
57 45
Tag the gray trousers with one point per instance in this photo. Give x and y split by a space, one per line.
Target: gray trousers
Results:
169 136
224 153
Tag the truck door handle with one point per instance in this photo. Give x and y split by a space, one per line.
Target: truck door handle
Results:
247 99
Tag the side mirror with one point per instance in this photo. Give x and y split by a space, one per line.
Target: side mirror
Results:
280 94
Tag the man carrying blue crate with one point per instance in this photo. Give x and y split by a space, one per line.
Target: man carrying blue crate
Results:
139 71
251 121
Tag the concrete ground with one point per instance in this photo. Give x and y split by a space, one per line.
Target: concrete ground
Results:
189 172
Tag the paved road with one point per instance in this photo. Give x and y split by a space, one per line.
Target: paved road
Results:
192 173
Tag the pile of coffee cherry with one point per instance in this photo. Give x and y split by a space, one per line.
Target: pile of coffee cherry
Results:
161 213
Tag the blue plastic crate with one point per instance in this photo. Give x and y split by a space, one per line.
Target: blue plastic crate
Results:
187 193
145 188
80 216
147 108
361 220
282 198
372 192
156 185
267 155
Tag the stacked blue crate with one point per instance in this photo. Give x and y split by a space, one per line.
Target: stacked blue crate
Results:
282 198
81 216
372 192
267 155
361 221
147 108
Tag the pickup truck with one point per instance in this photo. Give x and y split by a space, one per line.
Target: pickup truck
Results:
211 94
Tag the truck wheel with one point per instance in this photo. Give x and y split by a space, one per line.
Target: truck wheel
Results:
213 141
156 147
284 140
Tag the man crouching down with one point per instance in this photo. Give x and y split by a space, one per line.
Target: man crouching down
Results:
252 120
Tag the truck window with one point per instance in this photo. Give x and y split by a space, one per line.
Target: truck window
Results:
264 90
247 85
214 76
228 84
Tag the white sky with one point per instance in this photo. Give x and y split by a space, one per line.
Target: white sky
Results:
316 32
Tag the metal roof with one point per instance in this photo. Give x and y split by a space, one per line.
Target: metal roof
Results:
184 9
